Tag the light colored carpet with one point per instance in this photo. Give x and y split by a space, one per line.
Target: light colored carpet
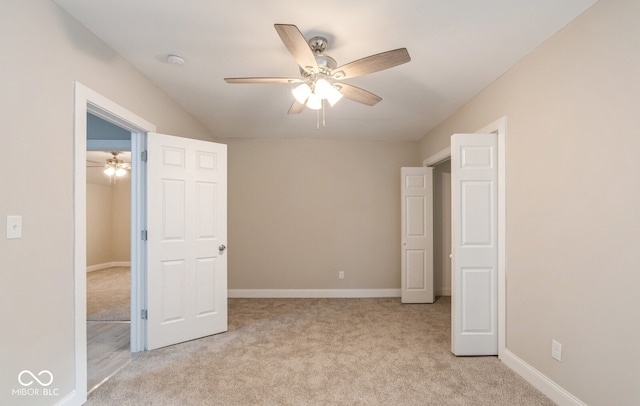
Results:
320 352
109 294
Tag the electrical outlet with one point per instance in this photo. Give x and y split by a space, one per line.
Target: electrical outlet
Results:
341 275
556 350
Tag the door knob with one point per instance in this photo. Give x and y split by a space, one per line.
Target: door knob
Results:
222 247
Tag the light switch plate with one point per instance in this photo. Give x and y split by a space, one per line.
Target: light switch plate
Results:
14 227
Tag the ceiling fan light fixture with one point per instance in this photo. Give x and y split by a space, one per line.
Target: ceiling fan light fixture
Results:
115 167
301 93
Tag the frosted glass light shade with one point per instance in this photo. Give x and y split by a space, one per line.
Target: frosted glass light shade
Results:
326 91
301 93
120 172
109 171
334 96
322 88
314 102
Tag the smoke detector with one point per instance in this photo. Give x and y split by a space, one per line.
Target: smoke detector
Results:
174 59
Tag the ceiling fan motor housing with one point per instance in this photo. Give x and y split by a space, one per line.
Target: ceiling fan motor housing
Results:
318 44
325 63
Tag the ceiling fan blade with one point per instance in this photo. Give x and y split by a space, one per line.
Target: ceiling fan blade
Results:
262 80
373 63
359 95
296 108
297 46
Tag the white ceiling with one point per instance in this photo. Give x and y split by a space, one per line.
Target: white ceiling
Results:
457 47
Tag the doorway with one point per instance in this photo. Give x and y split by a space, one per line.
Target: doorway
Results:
186 176
498 127
108 249
88 101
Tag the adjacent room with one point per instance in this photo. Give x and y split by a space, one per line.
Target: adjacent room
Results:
108 241
363 202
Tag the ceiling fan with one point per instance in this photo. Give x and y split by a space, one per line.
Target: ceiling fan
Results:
321 77
113 167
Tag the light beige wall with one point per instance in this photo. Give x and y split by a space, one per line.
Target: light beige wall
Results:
573 136
46 50
121 220
99 224
109 222
304 209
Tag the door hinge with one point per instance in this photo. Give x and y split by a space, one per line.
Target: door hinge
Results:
143 156
143 314
143 235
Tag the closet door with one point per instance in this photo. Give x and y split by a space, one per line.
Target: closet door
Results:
417 235
474 229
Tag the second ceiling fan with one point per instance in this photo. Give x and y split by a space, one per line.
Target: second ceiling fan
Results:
321 77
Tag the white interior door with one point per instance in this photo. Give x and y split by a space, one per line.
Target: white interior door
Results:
187 230
417 235
474 218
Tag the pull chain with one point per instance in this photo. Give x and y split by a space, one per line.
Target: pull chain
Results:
318 116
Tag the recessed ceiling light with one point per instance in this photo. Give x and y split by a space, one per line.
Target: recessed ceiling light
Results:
174 59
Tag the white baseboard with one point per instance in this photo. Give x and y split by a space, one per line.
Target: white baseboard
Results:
312 293
72 399
107 265
540 381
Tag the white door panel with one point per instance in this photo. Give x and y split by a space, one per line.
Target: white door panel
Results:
417 235
186 209
474 212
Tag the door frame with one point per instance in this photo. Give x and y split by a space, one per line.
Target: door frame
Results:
498 127
89 101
